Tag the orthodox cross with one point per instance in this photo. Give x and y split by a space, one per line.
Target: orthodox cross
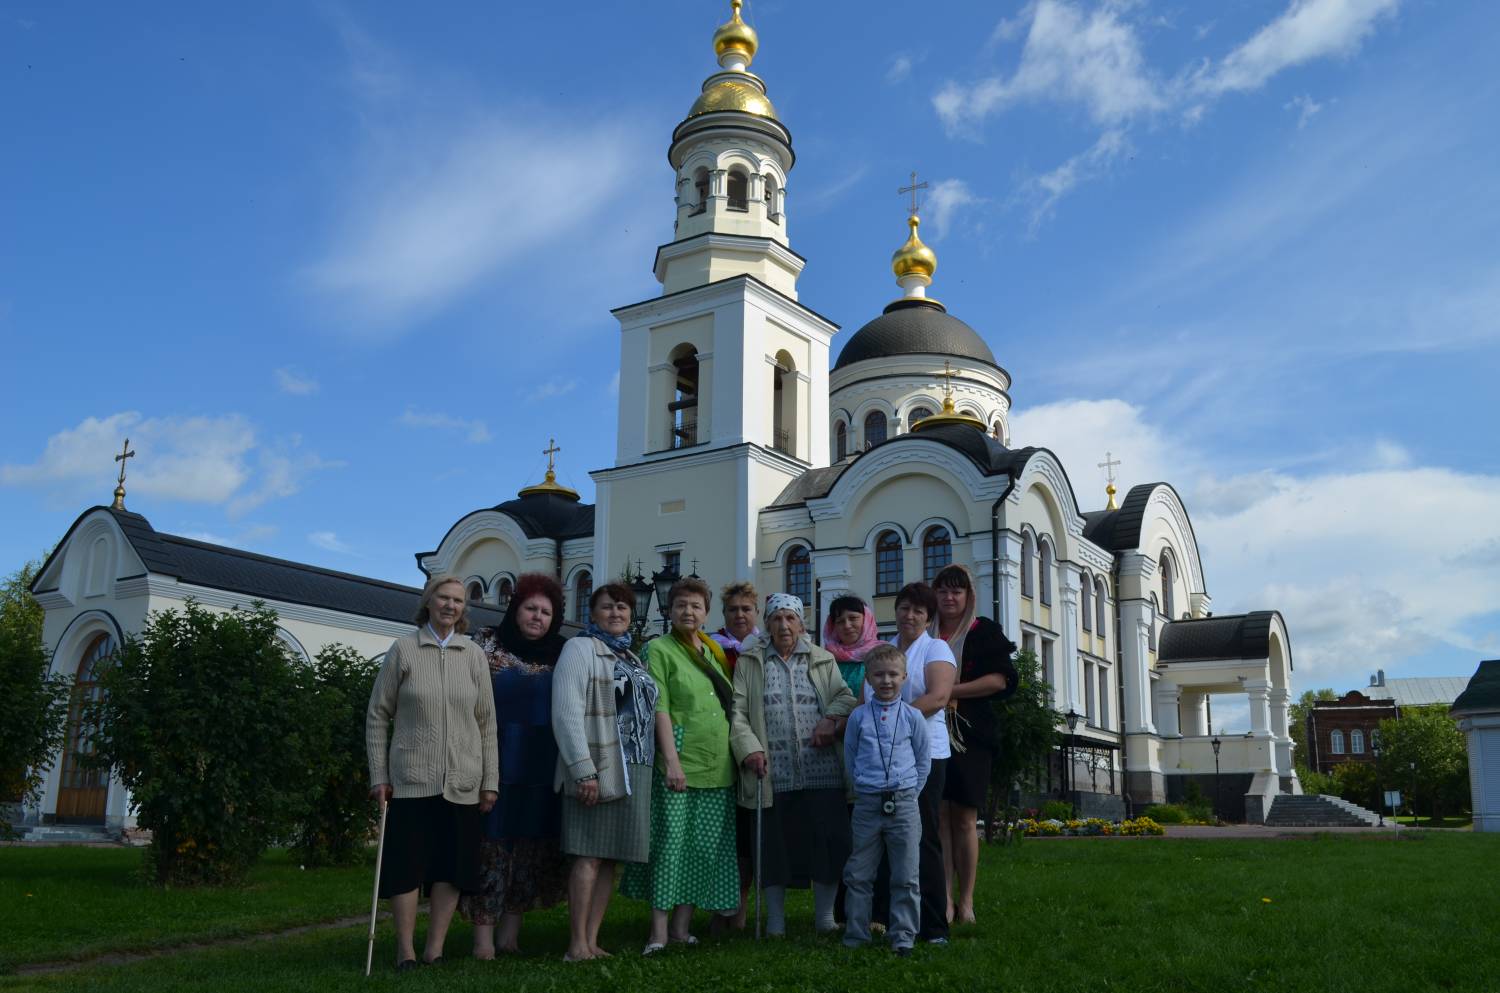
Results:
912 189
1108 465
550 451
125 453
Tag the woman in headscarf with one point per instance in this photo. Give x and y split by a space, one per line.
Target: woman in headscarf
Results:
692 798
521 866
849 634
985 674
432 683
604 716
790 707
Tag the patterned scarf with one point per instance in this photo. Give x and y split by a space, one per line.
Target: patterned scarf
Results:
729 642
868 639
619 642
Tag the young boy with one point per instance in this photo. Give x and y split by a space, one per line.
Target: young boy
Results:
887 758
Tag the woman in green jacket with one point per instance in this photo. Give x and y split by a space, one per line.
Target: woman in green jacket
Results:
790 707
692 799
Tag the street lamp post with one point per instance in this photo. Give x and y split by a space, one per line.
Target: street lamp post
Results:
1412 802
641 591
1072 726
1217 745
1375 746
663 582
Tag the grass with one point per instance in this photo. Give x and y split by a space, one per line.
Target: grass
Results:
1465 821
1313 913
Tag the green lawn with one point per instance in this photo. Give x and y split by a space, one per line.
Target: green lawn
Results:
1466 821
1344 913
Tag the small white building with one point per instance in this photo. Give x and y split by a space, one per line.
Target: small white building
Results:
1477 711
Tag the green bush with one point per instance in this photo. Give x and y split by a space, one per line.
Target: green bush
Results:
336 829
1166 813
34 706
1025 734
213 726
1057 810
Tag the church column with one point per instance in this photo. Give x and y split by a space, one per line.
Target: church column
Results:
1166 711
802 426
1068 642
756 193
718 192
1194 714
1259 690
1010 586
832 579
1279 700
1135 666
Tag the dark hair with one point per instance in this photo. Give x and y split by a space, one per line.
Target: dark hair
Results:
531 584
918 594
616 591
844 605
691 585
953 577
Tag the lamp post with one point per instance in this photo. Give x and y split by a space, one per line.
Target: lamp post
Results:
663 582
1217 745
641 591
1379 795
1072 726
1412 800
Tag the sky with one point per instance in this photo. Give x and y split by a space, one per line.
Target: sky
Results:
339 271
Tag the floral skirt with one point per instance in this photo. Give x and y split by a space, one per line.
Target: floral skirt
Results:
692 850
515 876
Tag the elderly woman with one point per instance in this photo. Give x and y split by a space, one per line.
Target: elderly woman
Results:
604 717
741 610
850 633
985 673
692 799
790 707
430 736
521 866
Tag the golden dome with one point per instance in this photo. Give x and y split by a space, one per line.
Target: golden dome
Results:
948 416
734 35
913 258
728 94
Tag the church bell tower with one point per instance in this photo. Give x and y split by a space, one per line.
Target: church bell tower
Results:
724 377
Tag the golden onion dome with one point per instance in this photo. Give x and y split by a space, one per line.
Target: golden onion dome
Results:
949 416
914 258
734 35
729 94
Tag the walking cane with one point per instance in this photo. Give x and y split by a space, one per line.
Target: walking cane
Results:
375 900
759 786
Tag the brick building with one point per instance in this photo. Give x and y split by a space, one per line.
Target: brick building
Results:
1342 730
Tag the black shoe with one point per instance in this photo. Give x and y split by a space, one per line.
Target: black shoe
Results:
409 965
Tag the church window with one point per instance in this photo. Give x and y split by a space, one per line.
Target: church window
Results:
771 211
682 409
1151 626
1356 742
1086 603
700 186
503 592
784 405
915 415
739 190
874 428
82 788
476 592
1166 584
997 432
583 588
1044 572
1101 604
799 573
840 442
937 551
1336 742
1088 694
1104 697
888 577
1028 566
671 561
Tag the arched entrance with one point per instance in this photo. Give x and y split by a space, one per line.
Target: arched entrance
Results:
82 791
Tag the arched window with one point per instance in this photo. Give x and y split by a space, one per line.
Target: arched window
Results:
739 190
784 405
682 408
1101 604
770 199
1336 742
1028 565
1151 625
888 578
840 442
997 432
1166 584
1044 571
583 588
937 551
799 573
503 592
1086 602
1356 742
700 186
874 428
915 415
475 592
82 790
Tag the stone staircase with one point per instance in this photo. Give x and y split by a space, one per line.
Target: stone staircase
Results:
70 834
1317 810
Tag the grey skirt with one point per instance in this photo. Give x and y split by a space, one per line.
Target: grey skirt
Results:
619 830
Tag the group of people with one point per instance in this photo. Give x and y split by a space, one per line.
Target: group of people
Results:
520 769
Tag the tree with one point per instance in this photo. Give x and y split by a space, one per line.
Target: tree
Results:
209 721
1296 719
1430 738
1358 782
34 706
1025 732
336 829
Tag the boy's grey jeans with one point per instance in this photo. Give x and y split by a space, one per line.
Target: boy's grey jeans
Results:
899 837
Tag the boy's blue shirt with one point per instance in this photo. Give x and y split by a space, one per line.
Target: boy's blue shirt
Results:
868 747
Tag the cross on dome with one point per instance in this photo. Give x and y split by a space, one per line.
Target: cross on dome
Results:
125 453
1108 465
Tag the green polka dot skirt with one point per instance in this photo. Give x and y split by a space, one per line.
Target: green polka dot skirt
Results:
692 850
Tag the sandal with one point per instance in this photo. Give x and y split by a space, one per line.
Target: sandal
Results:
652 948
689 940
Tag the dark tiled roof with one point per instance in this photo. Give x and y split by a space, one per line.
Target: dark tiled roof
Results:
1483 691
1229 636
1120 530
915 327
811 485
549 515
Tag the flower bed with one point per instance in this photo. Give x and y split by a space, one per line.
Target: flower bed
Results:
1093 826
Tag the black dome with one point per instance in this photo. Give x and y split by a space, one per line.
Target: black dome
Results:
915 327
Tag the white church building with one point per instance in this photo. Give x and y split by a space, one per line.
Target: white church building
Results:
743 451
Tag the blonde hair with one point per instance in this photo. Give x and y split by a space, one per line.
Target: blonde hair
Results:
739 588
885 652
424 606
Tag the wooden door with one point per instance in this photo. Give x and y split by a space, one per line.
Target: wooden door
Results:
82 791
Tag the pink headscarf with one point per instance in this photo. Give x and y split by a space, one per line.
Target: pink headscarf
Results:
868 638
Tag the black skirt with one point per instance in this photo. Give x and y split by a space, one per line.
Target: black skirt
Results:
430 840
968 778
805 838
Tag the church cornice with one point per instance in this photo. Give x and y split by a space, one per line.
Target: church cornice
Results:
699 457
772 299
729 242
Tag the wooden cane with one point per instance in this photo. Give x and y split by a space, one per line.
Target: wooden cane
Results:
375 900
759 785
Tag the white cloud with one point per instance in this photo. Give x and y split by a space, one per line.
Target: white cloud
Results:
295 383
1306 30
552 389
944 200
476 431
1305 106
1046 190
279 473
899 69
329 542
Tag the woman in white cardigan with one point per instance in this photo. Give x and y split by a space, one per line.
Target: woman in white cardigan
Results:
604 719
433 682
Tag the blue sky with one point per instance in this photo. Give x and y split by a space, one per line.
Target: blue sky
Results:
339 271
